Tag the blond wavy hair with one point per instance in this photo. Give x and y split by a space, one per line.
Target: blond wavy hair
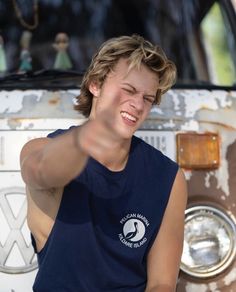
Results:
137 51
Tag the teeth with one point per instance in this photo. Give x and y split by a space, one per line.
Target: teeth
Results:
128 116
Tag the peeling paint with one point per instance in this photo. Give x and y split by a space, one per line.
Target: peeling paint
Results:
12 101
191 125
227 136
222 176
14 123
212 100
230 278
208 111
157 110
38 104
191 287
188 174
38 124
223 97
182 106
181 110
213 287
176 99
195 100
170 124
207 178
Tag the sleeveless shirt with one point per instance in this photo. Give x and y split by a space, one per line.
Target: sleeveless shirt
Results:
106 224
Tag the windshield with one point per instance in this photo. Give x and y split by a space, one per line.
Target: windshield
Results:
50 35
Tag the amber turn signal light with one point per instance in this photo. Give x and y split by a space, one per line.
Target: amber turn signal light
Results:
198 151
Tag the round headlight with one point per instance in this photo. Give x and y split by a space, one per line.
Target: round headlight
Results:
209 241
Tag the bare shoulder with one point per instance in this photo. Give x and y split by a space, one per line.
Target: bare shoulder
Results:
175 210
179 189
30 161
32 146
180 177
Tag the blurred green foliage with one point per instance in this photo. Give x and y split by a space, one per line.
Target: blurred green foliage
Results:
216 41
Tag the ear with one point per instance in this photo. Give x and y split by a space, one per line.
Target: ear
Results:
94 88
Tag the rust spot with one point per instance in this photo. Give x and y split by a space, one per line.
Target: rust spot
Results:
54 101
21 120
15 120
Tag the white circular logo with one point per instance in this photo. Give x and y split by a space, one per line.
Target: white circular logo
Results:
134 230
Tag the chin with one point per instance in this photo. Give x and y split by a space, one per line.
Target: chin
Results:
126 133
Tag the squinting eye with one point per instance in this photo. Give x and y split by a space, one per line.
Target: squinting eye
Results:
128 90
149 99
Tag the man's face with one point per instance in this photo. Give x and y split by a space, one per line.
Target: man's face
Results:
127 97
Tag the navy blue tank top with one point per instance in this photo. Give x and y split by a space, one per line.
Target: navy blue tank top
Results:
106 224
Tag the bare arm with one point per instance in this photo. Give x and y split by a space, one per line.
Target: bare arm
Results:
52 163
161 288
47 163
165 254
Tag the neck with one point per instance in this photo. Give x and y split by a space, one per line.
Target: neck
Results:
116 159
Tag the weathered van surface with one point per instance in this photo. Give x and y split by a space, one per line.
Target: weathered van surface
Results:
25 114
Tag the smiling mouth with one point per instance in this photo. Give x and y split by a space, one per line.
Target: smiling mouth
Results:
129 117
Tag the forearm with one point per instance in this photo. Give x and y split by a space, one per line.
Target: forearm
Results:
160 288
55 164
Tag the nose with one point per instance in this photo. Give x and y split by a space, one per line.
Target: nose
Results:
137 102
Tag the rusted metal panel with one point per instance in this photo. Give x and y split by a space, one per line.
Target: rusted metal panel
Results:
38 104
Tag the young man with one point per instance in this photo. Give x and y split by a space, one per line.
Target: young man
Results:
106 210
